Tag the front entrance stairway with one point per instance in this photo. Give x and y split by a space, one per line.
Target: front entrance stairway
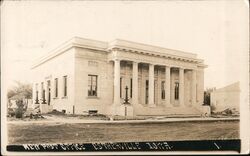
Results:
171 111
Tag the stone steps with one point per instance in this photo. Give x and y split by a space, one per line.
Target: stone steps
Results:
167 111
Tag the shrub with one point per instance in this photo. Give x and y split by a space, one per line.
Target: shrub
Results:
11 112
19 113
228 111
56 112
20 109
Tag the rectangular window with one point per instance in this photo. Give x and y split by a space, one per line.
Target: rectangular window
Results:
162 89
131 89
56 87
176 91
120 87
65 83
155 86
92 85
146 96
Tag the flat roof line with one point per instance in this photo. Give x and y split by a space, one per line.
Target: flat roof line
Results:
105 46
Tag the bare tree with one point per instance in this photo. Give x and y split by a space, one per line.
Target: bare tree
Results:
20 90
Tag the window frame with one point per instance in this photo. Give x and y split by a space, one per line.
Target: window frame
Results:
146 91
65 86
56 87
90 92
163 90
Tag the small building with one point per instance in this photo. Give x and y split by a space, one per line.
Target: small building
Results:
227 97
84 75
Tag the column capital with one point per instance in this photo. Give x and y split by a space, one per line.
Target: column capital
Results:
116 59
191 68
181 68
135 62
167 66
151 64
177 67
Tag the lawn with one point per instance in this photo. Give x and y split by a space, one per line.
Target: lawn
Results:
32 133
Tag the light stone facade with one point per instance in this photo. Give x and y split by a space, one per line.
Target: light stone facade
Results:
160 81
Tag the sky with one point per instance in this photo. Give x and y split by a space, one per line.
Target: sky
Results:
217 31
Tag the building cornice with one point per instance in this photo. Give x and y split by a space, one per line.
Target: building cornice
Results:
136 47
73 42
150 48
165 55
121 45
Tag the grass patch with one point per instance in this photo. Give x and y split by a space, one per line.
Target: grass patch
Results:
120 132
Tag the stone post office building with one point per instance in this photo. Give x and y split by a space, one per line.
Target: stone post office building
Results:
84 75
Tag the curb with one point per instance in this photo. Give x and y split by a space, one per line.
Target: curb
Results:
127 121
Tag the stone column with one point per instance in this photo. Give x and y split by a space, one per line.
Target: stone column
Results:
194 87
41 90
181 86
116 82
52 88
167 86
36 93
151 86
47 91
135 83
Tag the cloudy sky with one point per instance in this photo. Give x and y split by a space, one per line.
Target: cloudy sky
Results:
216 30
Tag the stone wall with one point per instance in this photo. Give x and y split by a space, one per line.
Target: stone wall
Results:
56 67
94 63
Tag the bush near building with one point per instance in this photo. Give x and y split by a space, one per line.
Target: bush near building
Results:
18 99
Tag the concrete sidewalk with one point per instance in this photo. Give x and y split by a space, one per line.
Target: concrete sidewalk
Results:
163 120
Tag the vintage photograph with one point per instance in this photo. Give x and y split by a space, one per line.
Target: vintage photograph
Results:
124 77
